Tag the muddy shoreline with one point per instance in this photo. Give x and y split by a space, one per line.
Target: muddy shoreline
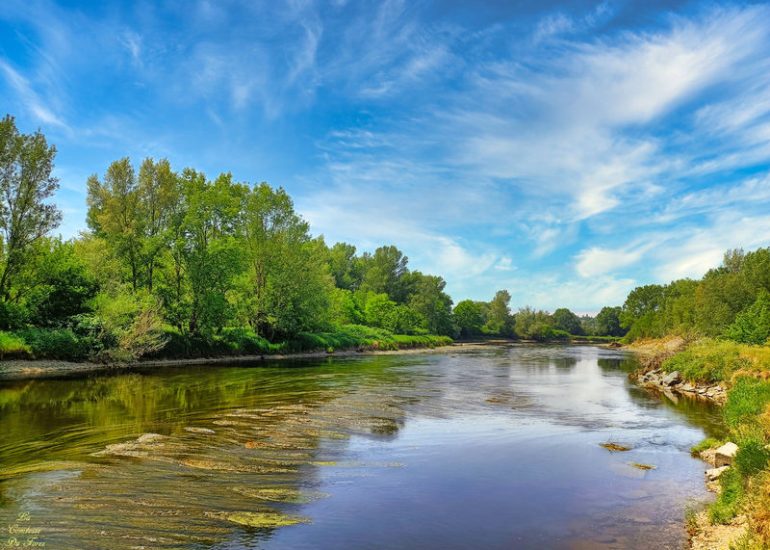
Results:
34 369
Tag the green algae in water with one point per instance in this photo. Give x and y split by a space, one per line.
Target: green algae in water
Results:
265 520
281 494
644 467
615 447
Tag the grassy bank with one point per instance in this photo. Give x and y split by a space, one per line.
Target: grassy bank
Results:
66 345
744 370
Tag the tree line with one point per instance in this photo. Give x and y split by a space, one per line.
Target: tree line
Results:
176 262
731 301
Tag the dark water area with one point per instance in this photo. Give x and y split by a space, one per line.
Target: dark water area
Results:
493 448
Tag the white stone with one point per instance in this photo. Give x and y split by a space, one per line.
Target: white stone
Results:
714 473
725 454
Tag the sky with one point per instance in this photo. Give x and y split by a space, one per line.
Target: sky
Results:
565 151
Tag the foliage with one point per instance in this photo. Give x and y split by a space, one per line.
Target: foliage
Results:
26 163
747 399
565 320
752 325
57 344
608 322
130 324
469 317
499 319
13 347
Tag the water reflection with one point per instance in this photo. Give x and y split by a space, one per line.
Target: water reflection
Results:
483 448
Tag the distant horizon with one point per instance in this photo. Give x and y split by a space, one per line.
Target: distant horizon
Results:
566 152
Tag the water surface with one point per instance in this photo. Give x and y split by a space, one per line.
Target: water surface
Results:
495 448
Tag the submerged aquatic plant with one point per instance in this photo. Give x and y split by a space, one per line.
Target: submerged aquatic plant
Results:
615 447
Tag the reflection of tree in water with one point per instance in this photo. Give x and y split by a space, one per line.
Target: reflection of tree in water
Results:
698 413
187 457
233 447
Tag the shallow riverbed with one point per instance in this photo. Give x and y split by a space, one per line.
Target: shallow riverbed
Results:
493 448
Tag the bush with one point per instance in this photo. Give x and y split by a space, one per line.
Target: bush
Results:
752 325
61 344
130 325
752 457
13 316
13 347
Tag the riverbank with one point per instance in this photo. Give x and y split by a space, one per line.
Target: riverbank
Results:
734 376
50 368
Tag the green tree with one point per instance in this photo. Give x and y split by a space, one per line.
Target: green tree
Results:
345 266
469 318
158 193
752 325
384 272
499 319
608 322
115 214
429 300
26 162
566 320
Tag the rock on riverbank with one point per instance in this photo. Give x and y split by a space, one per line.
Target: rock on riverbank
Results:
671 384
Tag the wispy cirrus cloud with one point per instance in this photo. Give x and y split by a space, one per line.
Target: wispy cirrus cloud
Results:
567 152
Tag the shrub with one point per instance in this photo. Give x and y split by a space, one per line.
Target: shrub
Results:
61 344
752 325
13 316
752 457
130 324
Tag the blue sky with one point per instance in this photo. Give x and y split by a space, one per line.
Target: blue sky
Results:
566 151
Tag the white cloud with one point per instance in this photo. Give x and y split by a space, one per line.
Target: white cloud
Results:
598 261
29 98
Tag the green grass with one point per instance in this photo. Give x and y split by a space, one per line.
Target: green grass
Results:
708 443
362 337
728 502
747 400
707 361
13 347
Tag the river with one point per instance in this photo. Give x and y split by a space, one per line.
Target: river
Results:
490 448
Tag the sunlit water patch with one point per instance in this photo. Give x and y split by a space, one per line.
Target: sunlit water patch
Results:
499 448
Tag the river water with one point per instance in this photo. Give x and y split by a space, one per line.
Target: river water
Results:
490 448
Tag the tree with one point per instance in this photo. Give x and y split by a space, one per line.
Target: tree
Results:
115 214
752 325
26 162
469 318
158 192
289 280
564 319
429 300
608 322
212 254
384 271
499 319
530 322
345 267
